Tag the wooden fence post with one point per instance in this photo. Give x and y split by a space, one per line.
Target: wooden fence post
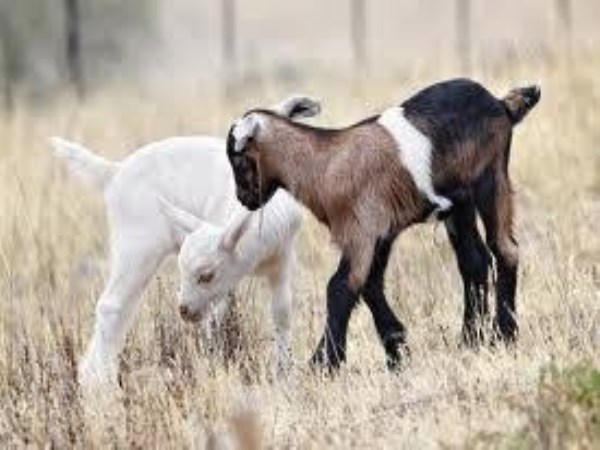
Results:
463 34
564 12
73 46
7 62
228 44
358 32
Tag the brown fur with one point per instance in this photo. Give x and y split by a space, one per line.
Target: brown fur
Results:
320 170
467 163
352 179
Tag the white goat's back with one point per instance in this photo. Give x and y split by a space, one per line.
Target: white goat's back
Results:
190 172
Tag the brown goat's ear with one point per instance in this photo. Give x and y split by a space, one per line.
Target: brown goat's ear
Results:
234 232
297 106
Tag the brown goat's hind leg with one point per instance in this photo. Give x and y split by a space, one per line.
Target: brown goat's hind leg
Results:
473 261
495 206
391 331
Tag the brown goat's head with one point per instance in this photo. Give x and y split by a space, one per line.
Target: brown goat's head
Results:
254 187
255 181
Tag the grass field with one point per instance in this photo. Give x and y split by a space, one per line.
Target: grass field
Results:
545 393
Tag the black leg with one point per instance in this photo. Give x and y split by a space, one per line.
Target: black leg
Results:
494 204
473 263
341 300
390 330
505 323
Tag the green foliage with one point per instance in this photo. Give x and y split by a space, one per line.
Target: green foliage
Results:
566 413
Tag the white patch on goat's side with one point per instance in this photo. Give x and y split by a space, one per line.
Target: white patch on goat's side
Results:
244 129
415 151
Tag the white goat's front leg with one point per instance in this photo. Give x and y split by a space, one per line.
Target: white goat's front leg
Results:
132 266
281 308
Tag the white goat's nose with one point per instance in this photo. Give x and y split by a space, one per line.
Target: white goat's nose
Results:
188 314
184 311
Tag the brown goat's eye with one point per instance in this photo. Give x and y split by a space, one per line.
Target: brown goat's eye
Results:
205 278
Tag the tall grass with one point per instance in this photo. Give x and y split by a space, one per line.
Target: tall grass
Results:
176 391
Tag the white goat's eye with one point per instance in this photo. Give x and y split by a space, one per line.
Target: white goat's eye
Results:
206 277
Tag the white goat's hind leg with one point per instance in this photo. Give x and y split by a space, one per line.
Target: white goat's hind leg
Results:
131 269
281 308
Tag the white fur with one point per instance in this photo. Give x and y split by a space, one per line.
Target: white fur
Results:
83 164
145 226
415 153
244 129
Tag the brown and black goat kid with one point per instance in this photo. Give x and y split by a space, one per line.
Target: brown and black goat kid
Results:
443 153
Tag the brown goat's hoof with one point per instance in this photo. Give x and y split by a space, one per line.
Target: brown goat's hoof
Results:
323 368
473 338
399 361
506 330
324 363
508 341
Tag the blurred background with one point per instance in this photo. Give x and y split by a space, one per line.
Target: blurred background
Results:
47 46
116 74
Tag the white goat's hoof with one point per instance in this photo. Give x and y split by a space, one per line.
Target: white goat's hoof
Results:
92 376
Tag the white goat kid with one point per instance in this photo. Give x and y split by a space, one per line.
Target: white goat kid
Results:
174 194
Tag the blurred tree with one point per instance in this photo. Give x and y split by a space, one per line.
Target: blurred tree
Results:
44 42
463 34
358 30
7 58
20 24
564 12
228 46
114 35
73 47
229 32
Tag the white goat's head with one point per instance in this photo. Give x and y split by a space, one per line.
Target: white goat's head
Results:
209 263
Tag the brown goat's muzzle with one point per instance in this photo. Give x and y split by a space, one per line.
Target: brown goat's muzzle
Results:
247 182
253 190
248 199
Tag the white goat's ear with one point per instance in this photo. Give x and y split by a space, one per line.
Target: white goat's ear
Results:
296 106
234 232
244 129
183 222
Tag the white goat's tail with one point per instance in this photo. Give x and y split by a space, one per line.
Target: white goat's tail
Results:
92 169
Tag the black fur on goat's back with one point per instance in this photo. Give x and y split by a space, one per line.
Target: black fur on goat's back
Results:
453 111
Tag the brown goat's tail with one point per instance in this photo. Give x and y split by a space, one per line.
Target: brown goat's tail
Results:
520 101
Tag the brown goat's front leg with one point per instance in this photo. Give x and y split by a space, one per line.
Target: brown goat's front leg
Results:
341 300
342 296
391 331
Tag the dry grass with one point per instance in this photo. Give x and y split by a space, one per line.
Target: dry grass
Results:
175 393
